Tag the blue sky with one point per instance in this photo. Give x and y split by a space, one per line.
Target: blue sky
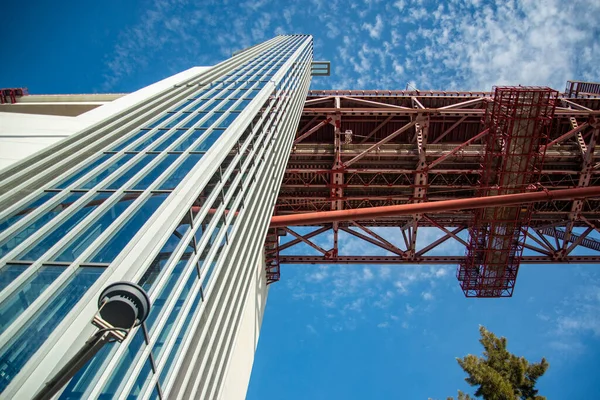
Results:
355 332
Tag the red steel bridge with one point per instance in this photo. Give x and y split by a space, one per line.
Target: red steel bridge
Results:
371 149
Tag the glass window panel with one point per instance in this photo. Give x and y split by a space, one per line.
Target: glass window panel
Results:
9 273
170 140
81 172
165 292
123 368
52 237
176 346
209 104
131 171
180 172
228 120
19 237
211 265
155 172
27 293
188 141
154 395
176 120
142 380
130 140
208 141
183 105
106 172
35 332
113 247
174 315
85 379
25 210
227 104
160 121
194 120
150 139
212 119
151 275
83 240
207 218
242 104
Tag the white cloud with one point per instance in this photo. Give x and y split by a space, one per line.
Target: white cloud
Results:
427 296
374 29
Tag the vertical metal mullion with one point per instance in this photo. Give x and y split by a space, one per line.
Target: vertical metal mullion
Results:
261 167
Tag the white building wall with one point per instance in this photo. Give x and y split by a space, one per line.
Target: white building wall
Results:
237 376
22 135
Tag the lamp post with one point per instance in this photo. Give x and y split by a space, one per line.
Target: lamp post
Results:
121 307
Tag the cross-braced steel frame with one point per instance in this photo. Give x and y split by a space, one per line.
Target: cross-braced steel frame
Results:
358 149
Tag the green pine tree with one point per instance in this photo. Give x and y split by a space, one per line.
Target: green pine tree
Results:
499 374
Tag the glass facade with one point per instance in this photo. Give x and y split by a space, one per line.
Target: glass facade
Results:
179 181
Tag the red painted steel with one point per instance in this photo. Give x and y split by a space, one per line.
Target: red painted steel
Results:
365 157
518 120
431 207
9 95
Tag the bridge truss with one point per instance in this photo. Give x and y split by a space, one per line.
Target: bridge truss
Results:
357 149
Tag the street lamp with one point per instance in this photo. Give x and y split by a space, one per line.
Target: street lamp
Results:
121 307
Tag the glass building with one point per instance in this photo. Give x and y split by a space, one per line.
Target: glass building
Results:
173 192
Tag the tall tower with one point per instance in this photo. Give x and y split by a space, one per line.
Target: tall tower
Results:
174 193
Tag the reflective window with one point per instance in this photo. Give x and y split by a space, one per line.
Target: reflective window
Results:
9 273
130 140
210 105
176 120
154 395
192 121
170 140
176 346
35 332
188 141
165 292
211 265
123 368
26 209
209 140
174 315
228 120
155 172
106 172
142 380
113 247
131 171
85 379
212 119
25 232
180 172
183 105
75 176
84 239
150 276
150 139
160 121
27 293
52 237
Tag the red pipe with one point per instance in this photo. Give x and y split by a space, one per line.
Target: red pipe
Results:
431 207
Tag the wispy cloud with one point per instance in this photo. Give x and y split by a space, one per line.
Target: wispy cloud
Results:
449 45
374 29
577 318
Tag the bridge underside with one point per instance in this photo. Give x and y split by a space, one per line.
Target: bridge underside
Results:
357 149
